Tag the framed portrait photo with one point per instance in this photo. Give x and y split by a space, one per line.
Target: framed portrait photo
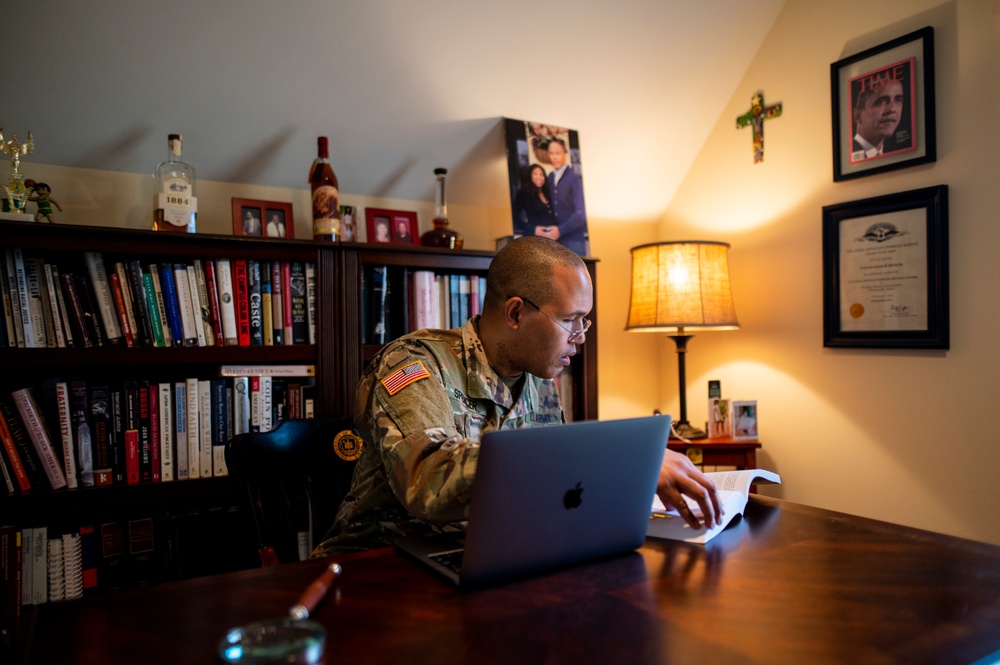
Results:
270 219
885 271
397 227
744 418
883 107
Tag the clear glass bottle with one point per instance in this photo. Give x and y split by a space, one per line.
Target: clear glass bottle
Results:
175 202
441 235
325 195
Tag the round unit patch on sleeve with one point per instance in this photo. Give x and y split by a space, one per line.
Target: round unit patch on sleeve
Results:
404 376
347 445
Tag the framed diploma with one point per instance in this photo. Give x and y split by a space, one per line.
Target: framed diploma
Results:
885 271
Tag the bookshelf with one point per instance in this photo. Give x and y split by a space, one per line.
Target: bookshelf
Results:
339 356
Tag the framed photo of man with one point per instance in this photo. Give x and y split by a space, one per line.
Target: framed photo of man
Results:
271 219
546 183
883 107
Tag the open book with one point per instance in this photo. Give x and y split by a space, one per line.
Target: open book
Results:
733 486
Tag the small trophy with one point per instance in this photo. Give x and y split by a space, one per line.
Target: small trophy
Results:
17 191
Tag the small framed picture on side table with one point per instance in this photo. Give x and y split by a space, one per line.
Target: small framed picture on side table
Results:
744 420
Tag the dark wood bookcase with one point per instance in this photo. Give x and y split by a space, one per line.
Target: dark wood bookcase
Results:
338 354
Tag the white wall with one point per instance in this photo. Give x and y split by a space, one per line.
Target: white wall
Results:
904 436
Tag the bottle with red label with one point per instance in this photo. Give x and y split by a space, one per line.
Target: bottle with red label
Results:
325 195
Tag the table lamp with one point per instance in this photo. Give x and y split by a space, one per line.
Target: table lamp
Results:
679 287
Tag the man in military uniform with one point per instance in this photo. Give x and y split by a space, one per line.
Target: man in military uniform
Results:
426 399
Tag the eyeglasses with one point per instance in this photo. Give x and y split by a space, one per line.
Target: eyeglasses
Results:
574 335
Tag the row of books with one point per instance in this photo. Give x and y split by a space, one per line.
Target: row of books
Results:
77 433
210 302
396 301
45 564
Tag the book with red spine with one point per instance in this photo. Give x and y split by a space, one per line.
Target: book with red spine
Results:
214 312
122 309
241 294
130 433
13 456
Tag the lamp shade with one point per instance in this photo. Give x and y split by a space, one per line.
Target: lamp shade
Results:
679 286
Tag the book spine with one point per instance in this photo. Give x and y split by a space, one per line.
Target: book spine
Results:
193 431
90 315
379 299
242 302
27 542
73 564
105 302
220 426
122 307
267 370
172 304
118 430
39 566
180 429
190 335
36 303
224 279
35 426
81 432
20 474
10 589
57 319
286 288
277 305
253 299
214 312
300 316
266 315
24 300
161 305
204 308
197 323
166 410
61 305
88 559
66 433
254 403
153 307
100 423
205 428
266 404
241 405
12 305
153 393
77 319
311 300
140 300
133 454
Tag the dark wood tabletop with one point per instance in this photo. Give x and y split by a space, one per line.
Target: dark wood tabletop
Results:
785 584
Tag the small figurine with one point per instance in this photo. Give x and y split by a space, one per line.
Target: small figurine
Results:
44 201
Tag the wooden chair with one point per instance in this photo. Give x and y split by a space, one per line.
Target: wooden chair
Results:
296 476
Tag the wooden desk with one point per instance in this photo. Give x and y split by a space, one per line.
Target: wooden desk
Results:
787 584
719 452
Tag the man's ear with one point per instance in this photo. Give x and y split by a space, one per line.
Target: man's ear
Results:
513 311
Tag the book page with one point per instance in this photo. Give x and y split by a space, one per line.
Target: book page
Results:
740 481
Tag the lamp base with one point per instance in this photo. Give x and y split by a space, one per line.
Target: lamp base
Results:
684 430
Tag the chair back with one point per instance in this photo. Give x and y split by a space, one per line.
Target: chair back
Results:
296 476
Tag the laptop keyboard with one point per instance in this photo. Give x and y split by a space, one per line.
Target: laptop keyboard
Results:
452 560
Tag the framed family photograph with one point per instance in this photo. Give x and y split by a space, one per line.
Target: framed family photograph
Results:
397 227
883 107
885 271
720 418
744 420
271 219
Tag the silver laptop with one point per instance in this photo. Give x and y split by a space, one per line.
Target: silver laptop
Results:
546 497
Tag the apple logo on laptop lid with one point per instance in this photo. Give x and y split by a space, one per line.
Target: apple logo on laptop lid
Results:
573 497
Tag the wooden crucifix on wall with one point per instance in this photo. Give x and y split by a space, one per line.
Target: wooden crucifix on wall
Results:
756 116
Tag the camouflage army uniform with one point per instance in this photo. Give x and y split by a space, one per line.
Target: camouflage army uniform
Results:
420 444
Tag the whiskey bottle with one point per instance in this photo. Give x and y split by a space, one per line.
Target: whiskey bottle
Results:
175 204
441 235
325 195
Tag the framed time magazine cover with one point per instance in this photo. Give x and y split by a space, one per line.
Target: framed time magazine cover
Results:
883 107
885 271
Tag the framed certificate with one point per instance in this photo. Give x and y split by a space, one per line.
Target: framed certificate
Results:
885 271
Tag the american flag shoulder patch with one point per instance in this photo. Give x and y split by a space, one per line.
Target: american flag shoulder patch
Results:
404 376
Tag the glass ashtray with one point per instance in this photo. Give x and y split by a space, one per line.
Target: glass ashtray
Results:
276 641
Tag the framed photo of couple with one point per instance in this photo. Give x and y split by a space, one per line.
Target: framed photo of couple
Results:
883 107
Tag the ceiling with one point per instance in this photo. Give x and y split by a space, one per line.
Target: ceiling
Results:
400 87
